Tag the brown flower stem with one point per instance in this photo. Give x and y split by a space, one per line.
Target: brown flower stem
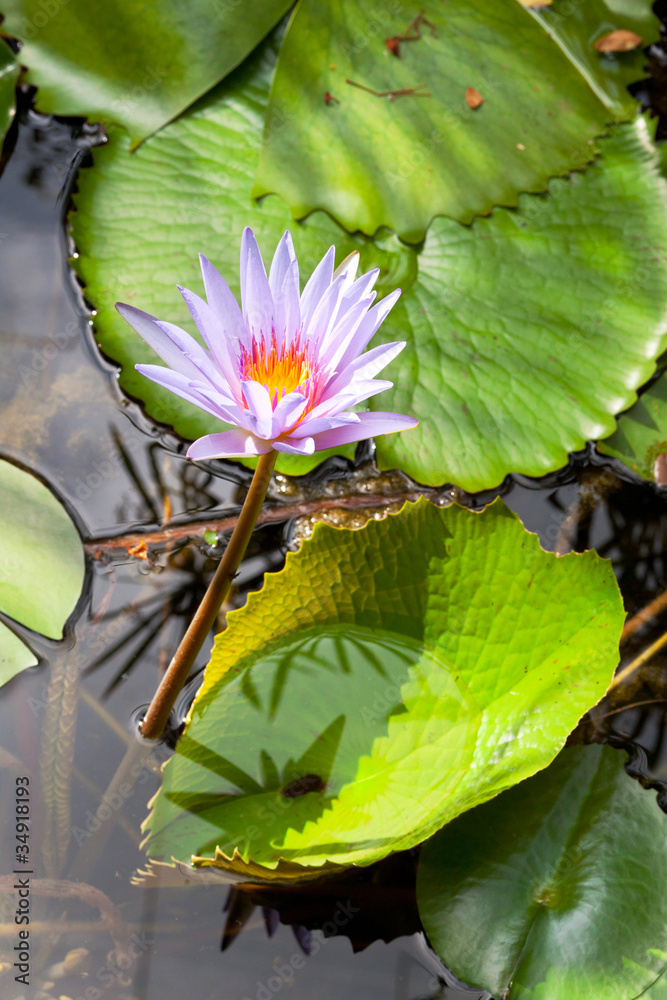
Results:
178 670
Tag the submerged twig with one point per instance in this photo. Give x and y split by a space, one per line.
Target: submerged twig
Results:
652 610
64 889
270 515
639 661
626 708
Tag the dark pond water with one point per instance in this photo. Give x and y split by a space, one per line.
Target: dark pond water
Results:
71 721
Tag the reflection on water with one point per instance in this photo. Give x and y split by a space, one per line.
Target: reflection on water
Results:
67 724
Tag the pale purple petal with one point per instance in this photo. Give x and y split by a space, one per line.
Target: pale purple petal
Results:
236 443
293 446
288 309
289 409
348 266
182 386
318 328
361 288
283 259
370 425
259 405
213 332
246 236
195 353
223 303
336 345
356 393
255 291
365 367
367 328
176 352
316 285
228 407
309 427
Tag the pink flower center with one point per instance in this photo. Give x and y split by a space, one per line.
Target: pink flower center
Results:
281 370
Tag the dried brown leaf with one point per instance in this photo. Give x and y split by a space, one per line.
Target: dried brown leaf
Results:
618 41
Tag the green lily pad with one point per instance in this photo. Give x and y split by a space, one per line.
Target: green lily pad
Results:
659 989
529 330
385 681
372 161
9 71
41 565
641 434
554 890
132 63
14 655
520 347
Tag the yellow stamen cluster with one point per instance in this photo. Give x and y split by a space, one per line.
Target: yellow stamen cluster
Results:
281 370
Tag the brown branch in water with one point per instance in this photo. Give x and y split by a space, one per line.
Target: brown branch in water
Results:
63 889
638 662
652 610
626 708
270 515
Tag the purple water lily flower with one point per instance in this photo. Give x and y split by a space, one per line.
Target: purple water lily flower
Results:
284 368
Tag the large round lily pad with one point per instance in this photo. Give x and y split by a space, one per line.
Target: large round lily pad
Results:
408 146
133 63
529 330
386 681
556 889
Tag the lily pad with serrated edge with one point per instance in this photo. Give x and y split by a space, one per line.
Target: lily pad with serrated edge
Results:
333 141
385 681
